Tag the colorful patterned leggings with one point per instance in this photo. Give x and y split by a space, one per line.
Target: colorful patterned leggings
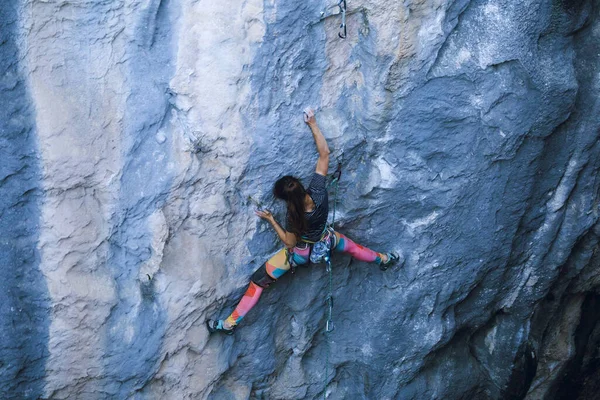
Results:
279 265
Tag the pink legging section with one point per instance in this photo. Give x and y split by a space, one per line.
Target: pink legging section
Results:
278 265
248 301
346 245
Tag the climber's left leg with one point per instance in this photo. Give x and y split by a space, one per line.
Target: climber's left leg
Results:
357 251
385 260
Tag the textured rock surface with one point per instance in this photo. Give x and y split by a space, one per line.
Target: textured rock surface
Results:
24 302
133 132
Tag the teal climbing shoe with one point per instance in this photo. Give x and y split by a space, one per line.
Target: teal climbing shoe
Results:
392 259
217 326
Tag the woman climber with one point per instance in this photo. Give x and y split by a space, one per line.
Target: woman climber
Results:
306 237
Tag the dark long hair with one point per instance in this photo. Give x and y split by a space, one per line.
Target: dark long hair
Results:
293 193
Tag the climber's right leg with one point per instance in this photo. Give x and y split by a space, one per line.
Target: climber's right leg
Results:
248 301
262 278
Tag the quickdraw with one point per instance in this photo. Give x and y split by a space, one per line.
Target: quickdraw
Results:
257 203
192 136
341 5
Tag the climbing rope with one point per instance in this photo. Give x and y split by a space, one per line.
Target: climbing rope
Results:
336 178
329 299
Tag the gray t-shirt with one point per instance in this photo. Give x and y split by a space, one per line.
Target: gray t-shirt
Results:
317 218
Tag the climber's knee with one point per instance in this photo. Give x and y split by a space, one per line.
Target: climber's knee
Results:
261 278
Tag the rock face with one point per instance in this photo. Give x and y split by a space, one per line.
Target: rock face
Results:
133 133
24 302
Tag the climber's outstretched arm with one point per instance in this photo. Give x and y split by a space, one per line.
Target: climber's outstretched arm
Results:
322 148
288 238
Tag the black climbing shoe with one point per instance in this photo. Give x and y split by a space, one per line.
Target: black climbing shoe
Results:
217 326
393 258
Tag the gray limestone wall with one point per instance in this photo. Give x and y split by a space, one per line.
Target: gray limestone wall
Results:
132 134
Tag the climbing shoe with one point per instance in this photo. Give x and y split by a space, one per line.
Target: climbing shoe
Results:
392 259
217 326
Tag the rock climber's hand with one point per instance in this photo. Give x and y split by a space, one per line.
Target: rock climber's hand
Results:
265 214
309 116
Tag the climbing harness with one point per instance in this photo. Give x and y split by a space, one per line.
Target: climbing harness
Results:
321 249
341 6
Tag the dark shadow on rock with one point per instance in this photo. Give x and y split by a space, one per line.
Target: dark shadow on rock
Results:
24 299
